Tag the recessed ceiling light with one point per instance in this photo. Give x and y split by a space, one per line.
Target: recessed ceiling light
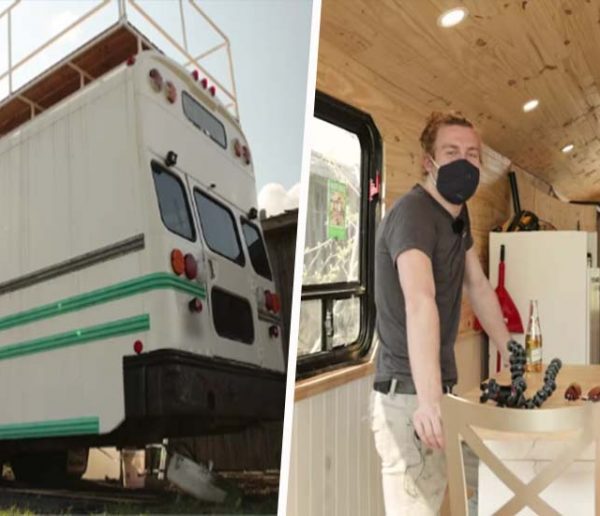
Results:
568 148
452 17
530 105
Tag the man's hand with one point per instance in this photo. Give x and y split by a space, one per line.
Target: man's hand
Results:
427 421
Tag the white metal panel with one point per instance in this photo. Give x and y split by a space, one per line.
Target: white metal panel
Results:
594 315
334 467
550 266
165 127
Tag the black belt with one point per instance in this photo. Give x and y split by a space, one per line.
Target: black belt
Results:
403 388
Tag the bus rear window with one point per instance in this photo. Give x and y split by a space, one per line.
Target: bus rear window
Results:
204 120
173 203
232 316
256 249
219 229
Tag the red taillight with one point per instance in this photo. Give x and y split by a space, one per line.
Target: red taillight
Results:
156 80
171 92
272 302
246 153
212 90
130 61
276 303
237 147
138 346
195 75
268 300
195 305
274 331
177 262
191 266
204 83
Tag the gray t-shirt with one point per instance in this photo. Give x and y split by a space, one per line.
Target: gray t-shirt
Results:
418 221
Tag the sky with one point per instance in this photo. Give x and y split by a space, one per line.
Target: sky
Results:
269 41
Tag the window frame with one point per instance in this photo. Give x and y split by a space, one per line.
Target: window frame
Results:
164 170
244 220
242 261
204 131
345 116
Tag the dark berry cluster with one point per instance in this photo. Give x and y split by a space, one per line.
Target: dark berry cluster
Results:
513 395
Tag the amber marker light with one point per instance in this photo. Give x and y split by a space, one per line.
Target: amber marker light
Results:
177 262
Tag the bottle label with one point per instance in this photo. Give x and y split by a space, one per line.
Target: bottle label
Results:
534 355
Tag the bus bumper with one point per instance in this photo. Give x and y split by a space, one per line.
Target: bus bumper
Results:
171 383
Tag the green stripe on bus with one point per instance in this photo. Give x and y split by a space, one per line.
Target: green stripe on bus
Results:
81 336
60 427
159 280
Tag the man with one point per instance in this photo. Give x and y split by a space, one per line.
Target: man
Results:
424 257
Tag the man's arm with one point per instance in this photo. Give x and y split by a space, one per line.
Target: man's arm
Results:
485 303
423 335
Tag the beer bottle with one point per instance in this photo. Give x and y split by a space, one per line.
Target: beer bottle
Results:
533 340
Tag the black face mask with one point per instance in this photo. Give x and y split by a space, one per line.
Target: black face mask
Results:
457 180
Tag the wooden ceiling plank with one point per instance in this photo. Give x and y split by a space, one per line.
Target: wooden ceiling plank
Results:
503 54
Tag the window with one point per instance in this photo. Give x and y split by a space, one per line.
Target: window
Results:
218 227
256 249
173 203
232 316
337 311
204 119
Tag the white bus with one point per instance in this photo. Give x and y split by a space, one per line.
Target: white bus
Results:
136 297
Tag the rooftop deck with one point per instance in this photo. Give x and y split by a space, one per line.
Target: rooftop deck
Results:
96 57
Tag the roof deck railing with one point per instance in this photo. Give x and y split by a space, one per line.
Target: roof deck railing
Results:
45 88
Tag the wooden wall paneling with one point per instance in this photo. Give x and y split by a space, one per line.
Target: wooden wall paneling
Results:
562 215
469 352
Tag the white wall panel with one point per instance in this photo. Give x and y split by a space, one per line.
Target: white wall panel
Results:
334 467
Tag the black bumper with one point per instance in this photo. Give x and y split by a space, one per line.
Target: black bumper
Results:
171 383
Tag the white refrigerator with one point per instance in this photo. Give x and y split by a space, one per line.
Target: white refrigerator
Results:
559 269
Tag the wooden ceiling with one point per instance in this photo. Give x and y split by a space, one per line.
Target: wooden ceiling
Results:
505 53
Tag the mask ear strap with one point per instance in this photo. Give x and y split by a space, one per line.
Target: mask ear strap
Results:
436 172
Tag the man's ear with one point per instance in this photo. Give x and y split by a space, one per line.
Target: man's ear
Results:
428 165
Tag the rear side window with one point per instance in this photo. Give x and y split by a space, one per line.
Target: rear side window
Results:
232 316
173 202
256 249
218 227
204 120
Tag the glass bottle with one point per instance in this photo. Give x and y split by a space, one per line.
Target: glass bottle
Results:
533 340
